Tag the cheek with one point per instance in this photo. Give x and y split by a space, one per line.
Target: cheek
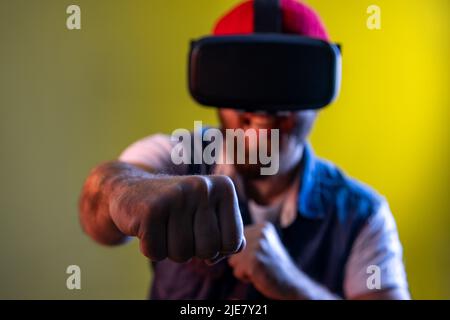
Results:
293 130
229 119
296 131
304 122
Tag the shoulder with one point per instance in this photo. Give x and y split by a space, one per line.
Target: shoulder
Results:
344 195
154 151
377 249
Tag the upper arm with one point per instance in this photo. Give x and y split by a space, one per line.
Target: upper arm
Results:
153 153
375 268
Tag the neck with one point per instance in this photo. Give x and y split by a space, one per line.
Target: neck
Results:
265 191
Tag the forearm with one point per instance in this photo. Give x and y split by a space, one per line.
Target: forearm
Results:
305 288
106 181
302 287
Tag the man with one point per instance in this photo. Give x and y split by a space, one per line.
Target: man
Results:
310 231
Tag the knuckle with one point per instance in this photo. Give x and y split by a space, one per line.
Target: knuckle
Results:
252 269
207 246
237 273
180 249
153 207
224 183
142 228
145 248
147 252
180 257
173 193
264 229
258 245
232 246
154 217
259 233
242 245
205 255
256 259
207 249
198 184
133 226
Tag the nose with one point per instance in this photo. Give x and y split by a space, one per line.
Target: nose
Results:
259 120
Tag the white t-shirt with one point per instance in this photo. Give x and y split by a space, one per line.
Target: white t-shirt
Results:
377 244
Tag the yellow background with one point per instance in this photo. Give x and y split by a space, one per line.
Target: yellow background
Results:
70 99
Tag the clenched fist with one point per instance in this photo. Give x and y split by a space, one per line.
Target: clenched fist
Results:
180 217
266 264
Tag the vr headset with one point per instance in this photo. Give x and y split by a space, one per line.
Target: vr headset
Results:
265 71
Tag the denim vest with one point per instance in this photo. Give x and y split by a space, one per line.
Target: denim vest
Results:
332 209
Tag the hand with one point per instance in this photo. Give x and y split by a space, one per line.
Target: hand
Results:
180 217
266 264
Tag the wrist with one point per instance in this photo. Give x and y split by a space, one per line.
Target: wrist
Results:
300 286
304 288
105 185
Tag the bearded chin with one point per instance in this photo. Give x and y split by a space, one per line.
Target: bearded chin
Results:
250 171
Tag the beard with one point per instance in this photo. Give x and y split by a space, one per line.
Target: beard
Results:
251 171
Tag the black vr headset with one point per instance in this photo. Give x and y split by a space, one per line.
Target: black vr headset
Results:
265 71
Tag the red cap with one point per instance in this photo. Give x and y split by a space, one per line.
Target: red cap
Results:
297 18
